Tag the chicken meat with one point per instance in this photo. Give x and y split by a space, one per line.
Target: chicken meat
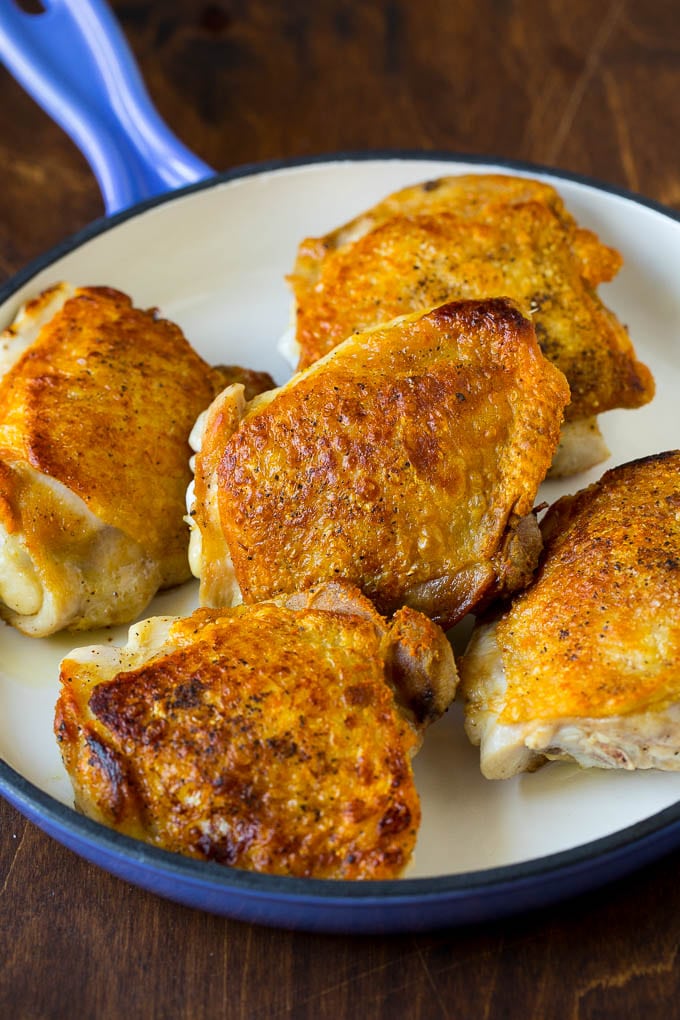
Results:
406 461
96 406
479 236
585 664
272 737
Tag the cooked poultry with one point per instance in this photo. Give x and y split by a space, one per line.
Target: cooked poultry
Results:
585 664
96 407
271 737
479 236
253 382
407 461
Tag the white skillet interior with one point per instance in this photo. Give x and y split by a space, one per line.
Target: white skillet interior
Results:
214 260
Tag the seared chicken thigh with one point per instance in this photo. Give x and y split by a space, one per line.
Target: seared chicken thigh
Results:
96 407
406 461
479 236
585 664
271 737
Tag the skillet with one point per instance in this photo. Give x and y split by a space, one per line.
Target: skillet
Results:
211 251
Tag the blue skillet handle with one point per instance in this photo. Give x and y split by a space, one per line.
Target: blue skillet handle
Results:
75 62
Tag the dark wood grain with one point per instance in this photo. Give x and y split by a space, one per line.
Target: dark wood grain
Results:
589 87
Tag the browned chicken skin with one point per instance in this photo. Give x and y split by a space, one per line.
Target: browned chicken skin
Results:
585 664
265 737
95 416
407 462
476 237
253 382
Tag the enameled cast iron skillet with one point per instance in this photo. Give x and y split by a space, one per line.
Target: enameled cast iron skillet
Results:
211 250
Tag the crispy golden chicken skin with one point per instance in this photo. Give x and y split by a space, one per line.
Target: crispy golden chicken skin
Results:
477 237
407 461
268 737
472 197
585 664
96 407
253 382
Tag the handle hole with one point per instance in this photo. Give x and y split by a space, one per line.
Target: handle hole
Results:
31 6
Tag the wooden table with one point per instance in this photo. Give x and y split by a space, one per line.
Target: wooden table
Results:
585 86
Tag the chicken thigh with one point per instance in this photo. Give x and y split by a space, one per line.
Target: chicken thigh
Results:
273 737
585 664
479 236
96 406
407 461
